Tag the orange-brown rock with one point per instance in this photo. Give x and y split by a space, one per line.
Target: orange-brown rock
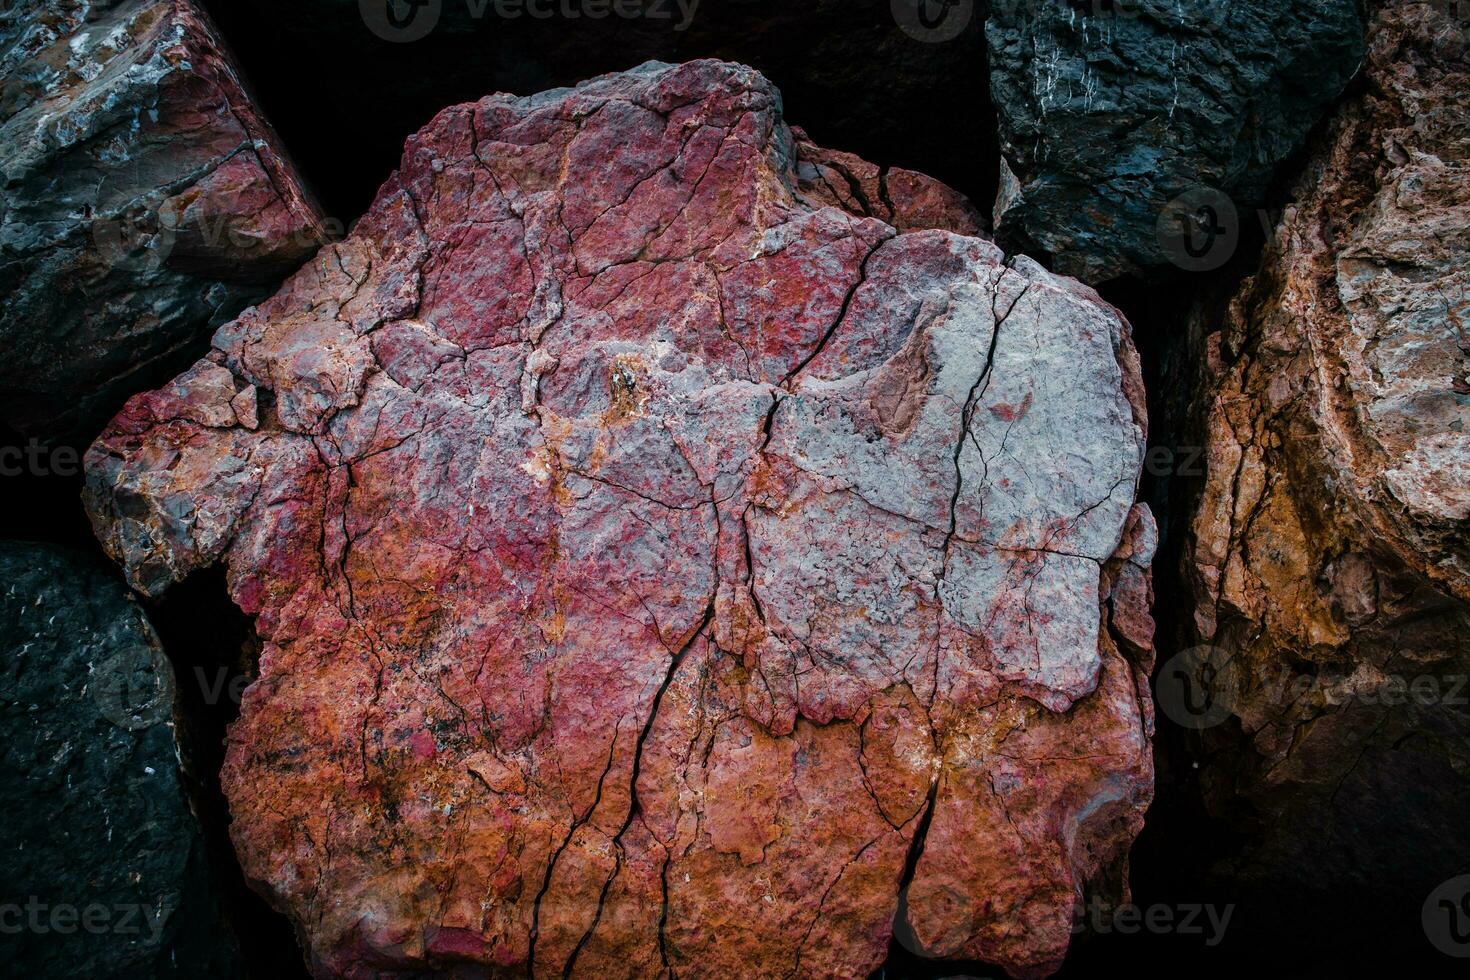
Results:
1331 550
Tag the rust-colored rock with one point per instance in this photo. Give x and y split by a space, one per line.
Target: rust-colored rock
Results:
658 570
906 200
1331 548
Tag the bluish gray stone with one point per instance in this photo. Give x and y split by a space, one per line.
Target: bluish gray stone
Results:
1109 110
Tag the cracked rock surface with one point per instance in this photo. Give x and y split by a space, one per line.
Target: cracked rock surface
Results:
1110 111
103 861
676 550
1330 554
144 203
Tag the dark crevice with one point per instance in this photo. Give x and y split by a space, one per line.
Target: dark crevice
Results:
577 824
634 804
1185 852
902 932
214 651
42 492
852 291
211 646
905 961
848 75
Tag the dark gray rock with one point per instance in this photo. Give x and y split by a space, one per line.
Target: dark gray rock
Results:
103 873
1110 111
144 202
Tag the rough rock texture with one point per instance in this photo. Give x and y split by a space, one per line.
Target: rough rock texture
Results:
145 202
1109 112
1333 537
103 872
657 570
906 200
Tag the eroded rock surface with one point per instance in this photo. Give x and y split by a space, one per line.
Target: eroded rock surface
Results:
907 200
104 871
1108 112
145 203
1331 549
659 570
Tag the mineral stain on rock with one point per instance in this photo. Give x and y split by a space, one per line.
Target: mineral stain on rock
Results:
675 549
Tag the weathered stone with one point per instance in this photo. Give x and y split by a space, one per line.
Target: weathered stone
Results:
1330 553
145 203
104 872
906 200
1108 112
657 569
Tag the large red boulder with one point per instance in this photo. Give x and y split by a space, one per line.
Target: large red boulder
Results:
674 550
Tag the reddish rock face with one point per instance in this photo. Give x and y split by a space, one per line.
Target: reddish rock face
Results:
1331 549
659 570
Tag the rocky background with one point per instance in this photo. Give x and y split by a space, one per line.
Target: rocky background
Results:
1329 541
981 490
